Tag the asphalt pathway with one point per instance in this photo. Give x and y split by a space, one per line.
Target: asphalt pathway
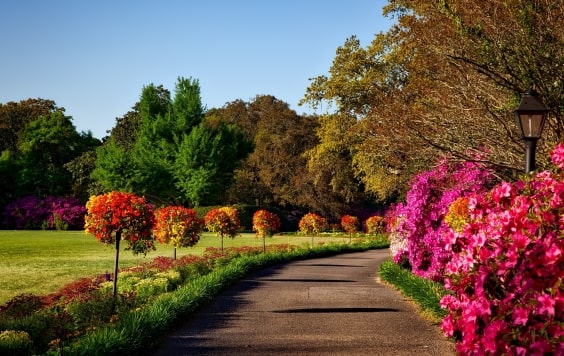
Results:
323 306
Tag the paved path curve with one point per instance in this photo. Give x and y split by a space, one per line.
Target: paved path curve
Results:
323 306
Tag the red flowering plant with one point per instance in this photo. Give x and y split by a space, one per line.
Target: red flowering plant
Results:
121 213
177 226
265 224
223 221
350 224
312 224
117 216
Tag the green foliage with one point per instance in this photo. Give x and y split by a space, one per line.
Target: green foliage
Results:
114 168
206 161
47 144
80 168
15 116
15 343
165 151
426 293
92 312
187 106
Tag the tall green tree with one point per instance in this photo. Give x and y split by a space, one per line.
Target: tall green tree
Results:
15 116
48 143
164 124
115 164
165 151
113 169
206 161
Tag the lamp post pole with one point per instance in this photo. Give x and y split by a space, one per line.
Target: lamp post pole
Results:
530 149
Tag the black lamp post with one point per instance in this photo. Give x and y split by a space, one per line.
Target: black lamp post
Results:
531 116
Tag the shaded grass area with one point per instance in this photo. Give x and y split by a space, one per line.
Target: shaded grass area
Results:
41 262
423 292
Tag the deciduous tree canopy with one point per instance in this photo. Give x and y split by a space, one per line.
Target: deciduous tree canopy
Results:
446 77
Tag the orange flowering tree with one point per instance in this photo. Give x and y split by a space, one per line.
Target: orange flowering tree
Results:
349 224
375 224
117 216
312 224
223 222
265 224
177 226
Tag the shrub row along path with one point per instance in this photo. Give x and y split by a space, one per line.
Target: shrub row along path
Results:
324 306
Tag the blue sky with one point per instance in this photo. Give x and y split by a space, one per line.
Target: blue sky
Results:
94 57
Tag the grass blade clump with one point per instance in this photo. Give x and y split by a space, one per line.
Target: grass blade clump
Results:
425 293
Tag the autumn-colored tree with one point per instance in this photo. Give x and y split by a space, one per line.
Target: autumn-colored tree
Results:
270 174
177 226
223 221
265 224
117 216
445 66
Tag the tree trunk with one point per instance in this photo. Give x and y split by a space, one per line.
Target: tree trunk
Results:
116 262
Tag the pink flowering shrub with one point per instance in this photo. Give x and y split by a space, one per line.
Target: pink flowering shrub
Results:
31 212
507 269
417 227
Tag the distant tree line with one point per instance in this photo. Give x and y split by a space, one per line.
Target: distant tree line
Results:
444 79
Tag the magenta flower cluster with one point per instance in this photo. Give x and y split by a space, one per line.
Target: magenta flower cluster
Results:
507 269
32 212
417 227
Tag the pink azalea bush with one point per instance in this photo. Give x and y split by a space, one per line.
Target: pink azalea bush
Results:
507 269
417 227
31 212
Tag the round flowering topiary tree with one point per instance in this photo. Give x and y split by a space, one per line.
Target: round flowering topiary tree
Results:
312 224
223 222
117 216
177 226
350 224
375 224
265 224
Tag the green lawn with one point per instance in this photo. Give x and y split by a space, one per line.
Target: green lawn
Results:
40 262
